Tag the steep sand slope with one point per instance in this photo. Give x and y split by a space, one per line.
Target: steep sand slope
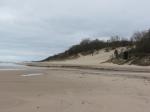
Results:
96 61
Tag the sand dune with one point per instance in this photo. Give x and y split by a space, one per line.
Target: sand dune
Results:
96 61
85 84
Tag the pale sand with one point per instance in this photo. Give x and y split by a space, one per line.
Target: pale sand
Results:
74 90
96 61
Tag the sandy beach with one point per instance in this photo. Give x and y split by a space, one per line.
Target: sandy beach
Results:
73 90
74 56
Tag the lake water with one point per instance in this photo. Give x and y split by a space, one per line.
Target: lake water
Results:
11 66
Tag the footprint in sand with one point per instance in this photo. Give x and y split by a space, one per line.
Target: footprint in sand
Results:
38 107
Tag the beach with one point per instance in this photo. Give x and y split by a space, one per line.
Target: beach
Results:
60 89
74 56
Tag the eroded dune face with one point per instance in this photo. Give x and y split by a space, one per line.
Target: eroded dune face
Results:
97 58
92 59
74 90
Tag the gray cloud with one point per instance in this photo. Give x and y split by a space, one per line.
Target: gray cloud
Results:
43 27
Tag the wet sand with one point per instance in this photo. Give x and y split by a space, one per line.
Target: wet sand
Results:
73 90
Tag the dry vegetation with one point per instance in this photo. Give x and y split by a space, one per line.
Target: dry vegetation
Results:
137 49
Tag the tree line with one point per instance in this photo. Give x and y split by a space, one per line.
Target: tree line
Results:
139 44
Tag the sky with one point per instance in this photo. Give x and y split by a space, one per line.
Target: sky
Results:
36 29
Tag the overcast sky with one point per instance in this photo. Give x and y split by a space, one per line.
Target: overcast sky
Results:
35 29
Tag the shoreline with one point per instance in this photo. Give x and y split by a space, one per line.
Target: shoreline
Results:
102 67
66 90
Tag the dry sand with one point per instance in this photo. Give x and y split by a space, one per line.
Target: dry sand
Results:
85 84
96 61
73 90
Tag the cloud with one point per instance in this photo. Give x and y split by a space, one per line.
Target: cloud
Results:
51 26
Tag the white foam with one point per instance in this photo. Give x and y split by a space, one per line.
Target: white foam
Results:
28 75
